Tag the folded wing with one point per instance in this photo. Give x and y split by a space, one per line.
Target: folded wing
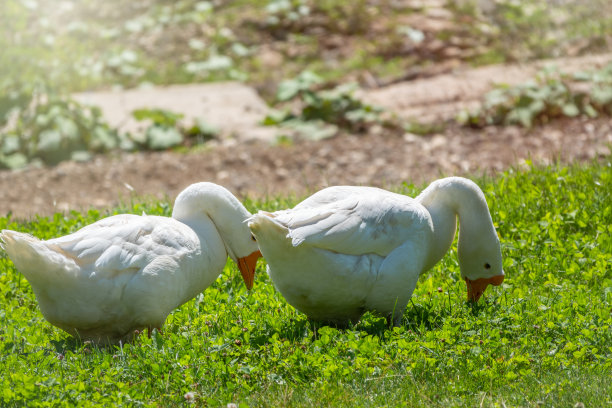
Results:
353 221
123 244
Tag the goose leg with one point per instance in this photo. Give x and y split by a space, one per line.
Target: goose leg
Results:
150 330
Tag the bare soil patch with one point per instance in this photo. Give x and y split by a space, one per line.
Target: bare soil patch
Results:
258 169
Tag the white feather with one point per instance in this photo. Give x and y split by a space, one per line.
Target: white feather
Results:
128 272
346 250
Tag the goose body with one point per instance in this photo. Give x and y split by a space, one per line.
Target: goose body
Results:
128 272
347 250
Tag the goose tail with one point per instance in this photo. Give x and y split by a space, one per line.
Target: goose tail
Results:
267 230
34 259
265 222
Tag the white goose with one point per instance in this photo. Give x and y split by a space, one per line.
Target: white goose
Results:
128 272
346 250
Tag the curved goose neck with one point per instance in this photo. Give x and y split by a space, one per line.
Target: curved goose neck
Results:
449 198
209 200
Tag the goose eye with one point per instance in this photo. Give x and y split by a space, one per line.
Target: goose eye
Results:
253 237
487 265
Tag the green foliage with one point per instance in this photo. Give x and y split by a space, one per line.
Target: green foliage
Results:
159 117
301 85
302 16
165 131
520 30
551 96
201 131
541 339
85 44
527 24
322 113
424 128
37 123
162 133
286 14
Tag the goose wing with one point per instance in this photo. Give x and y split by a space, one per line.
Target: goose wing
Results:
124 244
353 221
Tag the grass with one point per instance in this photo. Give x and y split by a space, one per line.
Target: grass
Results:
542 339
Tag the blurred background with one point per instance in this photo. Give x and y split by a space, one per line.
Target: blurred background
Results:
76 45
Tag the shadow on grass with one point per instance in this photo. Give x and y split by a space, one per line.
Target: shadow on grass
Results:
429 316
67 344
417 317
425 316
78 346
293 329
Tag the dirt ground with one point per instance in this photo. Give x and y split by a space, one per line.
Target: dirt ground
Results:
257 168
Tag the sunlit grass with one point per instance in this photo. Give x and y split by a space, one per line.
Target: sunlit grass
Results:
543 338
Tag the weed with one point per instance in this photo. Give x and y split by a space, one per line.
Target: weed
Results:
321 113
37 123
552 95
422 128
520 30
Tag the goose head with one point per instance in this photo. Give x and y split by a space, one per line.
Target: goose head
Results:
229 218
479 250
480 262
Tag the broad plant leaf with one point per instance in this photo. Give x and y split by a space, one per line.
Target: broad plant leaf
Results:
13 161
103 138
159 138
10 144
159 117
570 110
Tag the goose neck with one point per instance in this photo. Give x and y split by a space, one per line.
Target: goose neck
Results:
202 203
446 200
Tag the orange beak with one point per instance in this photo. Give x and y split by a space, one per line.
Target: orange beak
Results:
247 268
476 288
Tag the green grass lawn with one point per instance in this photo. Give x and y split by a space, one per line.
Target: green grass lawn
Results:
543 338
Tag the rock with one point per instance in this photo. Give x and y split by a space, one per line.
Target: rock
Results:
233 108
